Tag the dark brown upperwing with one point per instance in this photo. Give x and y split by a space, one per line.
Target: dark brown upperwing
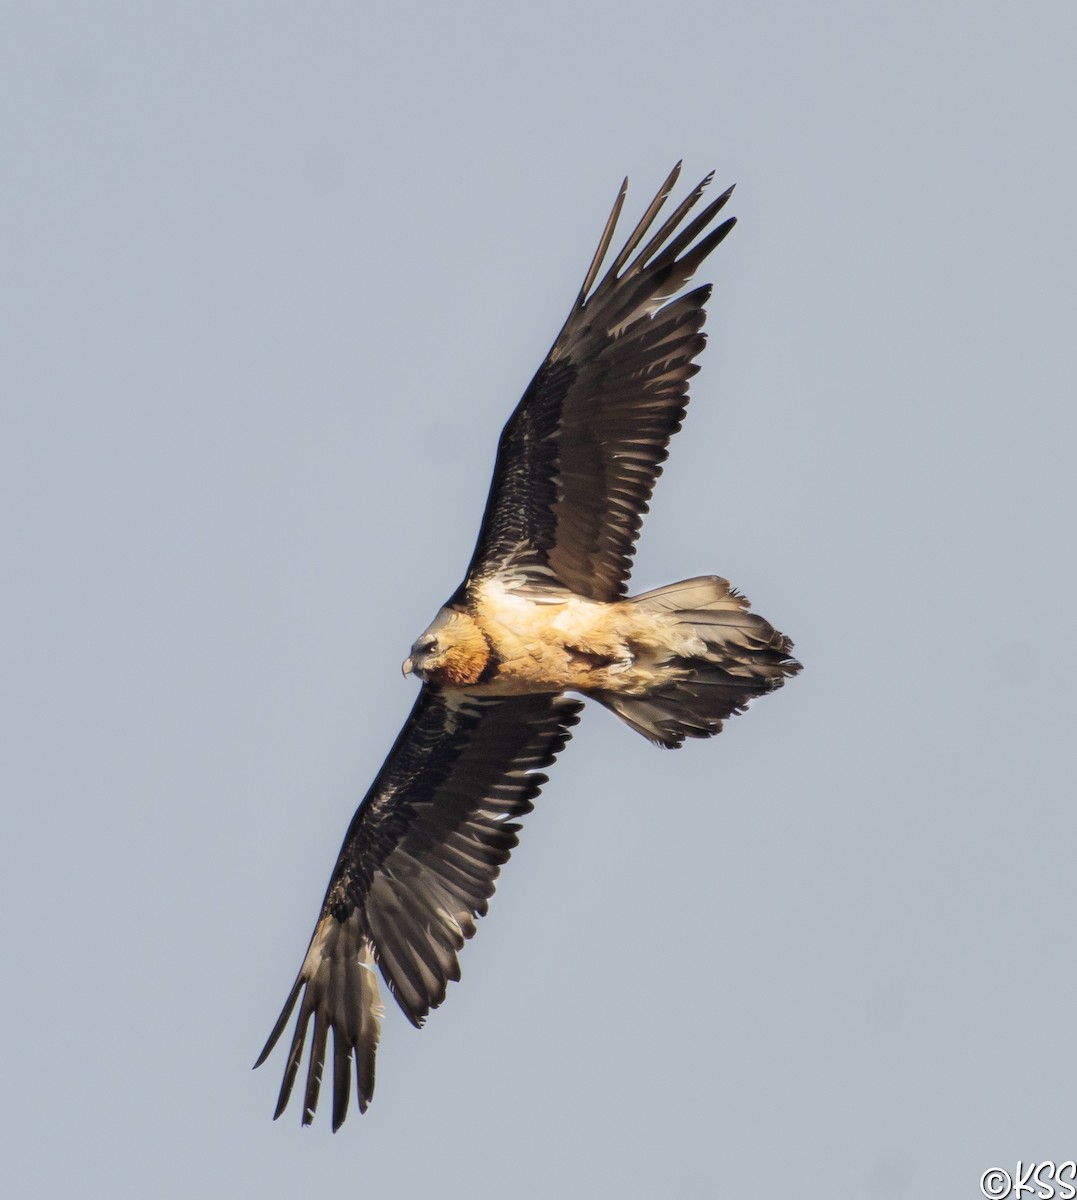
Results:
578 459
418 864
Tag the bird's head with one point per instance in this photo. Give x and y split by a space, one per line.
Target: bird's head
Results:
452 651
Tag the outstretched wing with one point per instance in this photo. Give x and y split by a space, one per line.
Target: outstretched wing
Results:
417 866
578 459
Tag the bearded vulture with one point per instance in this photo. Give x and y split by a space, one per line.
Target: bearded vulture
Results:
542 612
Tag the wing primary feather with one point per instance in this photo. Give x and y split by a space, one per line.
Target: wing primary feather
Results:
689 263
603 244
646 221
365 1054
671 223
342 1079
282 1021
315 1065
689 233
299 1039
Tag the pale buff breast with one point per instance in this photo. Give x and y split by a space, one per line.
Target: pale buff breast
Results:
572 643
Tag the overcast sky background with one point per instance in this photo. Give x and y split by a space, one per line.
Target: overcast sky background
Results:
271 279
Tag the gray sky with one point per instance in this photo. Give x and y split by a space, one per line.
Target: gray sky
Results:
271 279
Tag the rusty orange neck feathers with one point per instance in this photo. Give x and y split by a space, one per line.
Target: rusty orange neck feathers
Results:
466 652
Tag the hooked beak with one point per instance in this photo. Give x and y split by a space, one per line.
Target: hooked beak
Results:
408 667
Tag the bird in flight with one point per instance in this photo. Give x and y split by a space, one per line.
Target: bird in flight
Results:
542 612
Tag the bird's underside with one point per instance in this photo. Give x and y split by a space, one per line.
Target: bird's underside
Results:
673 662
542 612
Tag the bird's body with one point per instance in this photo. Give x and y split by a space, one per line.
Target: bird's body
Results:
542 612
509 639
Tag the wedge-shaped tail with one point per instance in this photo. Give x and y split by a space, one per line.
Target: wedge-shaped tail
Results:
722 656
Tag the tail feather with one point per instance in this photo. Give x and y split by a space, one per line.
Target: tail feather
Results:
718 657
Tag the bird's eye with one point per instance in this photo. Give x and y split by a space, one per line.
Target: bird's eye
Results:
430 647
